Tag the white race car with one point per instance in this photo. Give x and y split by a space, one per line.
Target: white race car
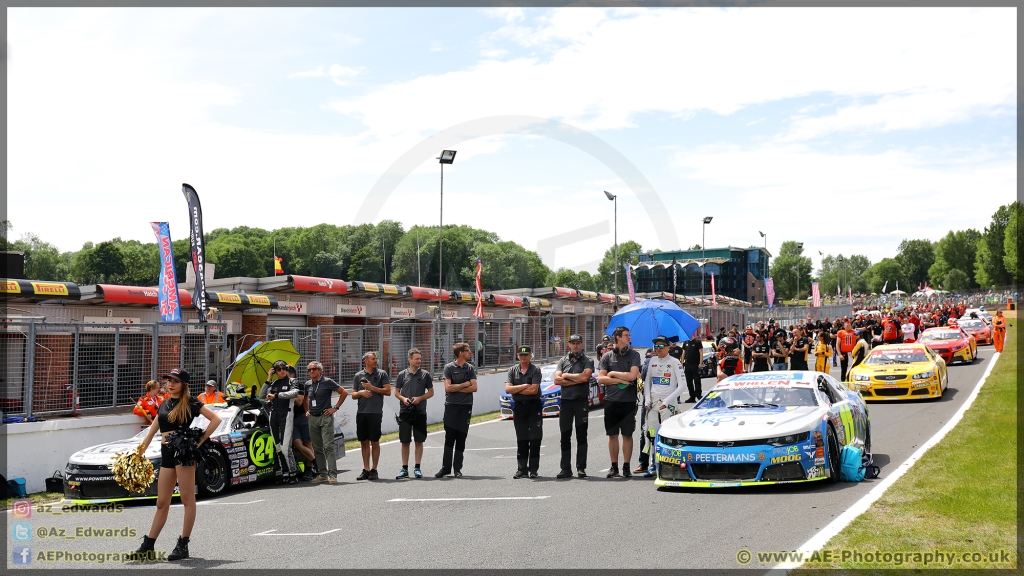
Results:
762 428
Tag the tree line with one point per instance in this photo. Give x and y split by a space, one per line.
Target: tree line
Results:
385 252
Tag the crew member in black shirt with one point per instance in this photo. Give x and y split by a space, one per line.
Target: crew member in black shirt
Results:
523 383
780 351
620 368
459 386
281 394
799 351
759 352
573 374
693 357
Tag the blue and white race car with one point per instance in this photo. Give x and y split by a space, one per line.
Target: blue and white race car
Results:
763 428
551 394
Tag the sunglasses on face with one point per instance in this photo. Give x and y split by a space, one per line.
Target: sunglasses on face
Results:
312 369
660 346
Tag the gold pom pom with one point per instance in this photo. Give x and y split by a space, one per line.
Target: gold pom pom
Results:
133 471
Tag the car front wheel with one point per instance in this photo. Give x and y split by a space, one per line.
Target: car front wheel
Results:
832 445
212 472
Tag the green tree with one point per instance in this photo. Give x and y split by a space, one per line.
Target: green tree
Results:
629 251
43 261
956 280
567 278
886 274
785 269
235 256
991 269
916 257
1012 242
955 251
106 262
141 263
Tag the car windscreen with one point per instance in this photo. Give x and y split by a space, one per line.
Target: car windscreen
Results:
547 375
972 324
758 397
941 335
896 356
200 422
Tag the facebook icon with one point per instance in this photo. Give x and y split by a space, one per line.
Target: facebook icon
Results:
21 555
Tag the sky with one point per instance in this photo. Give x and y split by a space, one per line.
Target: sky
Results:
847 129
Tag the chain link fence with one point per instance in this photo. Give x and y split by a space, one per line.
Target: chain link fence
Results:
61 369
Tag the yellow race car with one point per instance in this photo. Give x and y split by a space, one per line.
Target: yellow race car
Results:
900 372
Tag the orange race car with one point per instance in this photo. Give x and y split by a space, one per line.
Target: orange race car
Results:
982 332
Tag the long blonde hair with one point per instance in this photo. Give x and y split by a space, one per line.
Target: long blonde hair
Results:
182 413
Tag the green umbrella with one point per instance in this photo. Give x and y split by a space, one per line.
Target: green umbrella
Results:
252 365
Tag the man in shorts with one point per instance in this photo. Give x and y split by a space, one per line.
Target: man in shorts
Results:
370 385
619 370
413 386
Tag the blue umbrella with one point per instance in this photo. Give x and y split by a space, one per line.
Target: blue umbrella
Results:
649 318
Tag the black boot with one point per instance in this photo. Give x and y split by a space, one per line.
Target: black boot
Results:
180 551
146 550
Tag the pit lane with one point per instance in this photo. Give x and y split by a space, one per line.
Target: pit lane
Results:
488 520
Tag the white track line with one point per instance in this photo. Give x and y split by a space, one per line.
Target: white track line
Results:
861 506
467 499
226 503
268 533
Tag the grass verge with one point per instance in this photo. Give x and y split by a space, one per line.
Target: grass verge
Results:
36 498
354 444
959 498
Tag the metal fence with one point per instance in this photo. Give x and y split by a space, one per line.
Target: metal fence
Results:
56 368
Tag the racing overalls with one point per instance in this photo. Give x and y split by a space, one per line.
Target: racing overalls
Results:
284 390
663 385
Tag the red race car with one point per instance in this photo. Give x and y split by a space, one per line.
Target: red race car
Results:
977 328
952 343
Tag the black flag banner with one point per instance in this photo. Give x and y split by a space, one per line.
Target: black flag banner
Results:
195 237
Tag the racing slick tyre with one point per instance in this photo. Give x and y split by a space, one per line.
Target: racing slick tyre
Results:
832 446
867 439
212 472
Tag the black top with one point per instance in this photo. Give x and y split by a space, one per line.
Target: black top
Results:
570 365
319 394
298 409
614 361
277 387
797 358
693 353
517 376
760 363
413 384
164 413
459 375
375 403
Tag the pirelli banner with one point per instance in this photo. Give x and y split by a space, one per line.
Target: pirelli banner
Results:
35 290
375 288
242 300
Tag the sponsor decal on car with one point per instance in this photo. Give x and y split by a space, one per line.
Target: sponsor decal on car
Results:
819 461
714 420
669 460
243 462
252 477
238 444
235 480
234 472
716 457
815 472
785 450
224 439
252 469
783 459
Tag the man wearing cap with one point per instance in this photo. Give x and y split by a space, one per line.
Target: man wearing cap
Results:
663 385
573 374
370 385
281 393
211 395
523 383
606 343
619 370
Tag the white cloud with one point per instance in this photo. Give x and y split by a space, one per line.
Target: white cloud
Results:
943 65
336 72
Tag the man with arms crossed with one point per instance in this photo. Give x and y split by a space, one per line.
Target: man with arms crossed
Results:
370 385
620 367
573 374
413 386
459 386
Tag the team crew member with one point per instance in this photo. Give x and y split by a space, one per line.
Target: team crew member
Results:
175 417
523 383
847 340
663 385
999 330
859 352
620 367
301 442
780 351
459 386
413 386
573 374
370 385
319 390
890 330
730 363
759 352
211 395
604 346
822 352
693 357
149 404
281 393
748 349
800 350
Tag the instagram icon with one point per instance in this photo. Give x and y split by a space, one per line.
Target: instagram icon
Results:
21 509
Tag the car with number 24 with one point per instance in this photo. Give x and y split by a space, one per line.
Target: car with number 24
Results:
762 428
240 451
